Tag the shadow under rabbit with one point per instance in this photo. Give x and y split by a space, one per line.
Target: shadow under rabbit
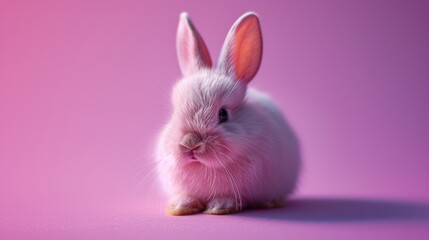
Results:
344 210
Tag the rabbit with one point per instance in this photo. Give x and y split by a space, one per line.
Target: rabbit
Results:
227 147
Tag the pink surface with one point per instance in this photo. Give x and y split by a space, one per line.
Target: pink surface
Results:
84 88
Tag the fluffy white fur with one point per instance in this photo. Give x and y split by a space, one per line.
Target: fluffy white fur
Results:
250 160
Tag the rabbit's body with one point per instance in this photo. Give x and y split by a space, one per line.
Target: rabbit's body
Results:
226 146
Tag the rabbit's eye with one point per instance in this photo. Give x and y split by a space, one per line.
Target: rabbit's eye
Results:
223 115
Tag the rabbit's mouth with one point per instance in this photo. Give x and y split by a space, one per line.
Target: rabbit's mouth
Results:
193 156
190 155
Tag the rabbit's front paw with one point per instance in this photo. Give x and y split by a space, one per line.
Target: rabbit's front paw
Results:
184 206
220 206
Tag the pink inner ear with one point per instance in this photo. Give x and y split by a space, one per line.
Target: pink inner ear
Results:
242 51
203 52
191 50
248 49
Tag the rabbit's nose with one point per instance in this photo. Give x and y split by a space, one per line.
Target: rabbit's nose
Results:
192 142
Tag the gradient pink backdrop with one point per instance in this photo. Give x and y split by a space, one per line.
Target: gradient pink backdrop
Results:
84 88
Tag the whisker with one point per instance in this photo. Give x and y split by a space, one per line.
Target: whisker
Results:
217 158
233 151
141 181
212 187
237 194
234 181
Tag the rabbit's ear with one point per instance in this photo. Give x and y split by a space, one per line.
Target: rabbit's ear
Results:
241 53
192 52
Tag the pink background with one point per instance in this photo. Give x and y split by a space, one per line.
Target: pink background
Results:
84 88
